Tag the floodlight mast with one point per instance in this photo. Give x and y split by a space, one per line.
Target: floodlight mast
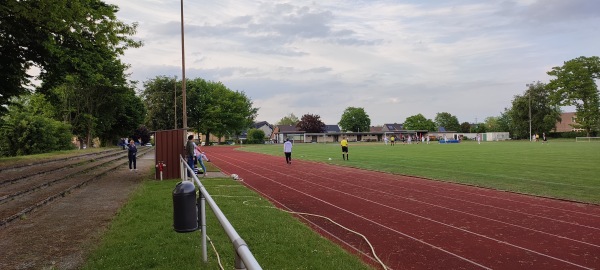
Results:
184 107
530 86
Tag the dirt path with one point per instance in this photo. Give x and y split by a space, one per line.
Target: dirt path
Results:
59 235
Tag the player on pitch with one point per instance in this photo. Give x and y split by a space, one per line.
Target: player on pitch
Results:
344 144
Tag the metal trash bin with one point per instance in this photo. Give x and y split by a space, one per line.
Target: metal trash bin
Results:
185 213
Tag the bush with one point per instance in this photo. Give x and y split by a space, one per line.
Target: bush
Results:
255 136
27 134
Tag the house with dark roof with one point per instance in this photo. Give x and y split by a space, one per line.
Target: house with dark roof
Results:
392 128
283 132
263 125
332 129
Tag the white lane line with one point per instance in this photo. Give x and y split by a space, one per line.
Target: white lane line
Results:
399 210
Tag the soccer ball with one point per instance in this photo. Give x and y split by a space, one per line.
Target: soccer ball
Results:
235 176
329 158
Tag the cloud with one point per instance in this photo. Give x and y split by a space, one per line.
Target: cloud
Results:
395 59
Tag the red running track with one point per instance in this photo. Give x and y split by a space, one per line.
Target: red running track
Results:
415 223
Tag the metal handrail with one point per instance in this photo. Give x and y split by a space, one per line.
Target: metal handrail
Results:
244 259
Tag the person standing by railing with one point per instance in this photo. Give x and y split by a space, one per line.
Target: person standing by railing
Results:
189 151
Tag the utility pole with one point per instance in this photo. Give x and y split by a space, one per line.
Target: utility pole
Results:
530 87
183 72
175 95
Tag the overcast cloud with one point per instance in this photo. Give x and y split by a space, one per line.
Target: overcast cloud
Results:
395 59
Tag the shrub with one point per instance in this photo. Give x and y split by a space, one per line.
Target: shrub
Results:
256 136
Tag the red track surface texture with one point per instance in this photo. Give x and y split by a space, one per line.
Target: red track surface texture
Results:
414 223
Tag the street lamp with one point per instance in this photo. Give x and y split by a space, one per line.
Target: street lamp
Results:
530 86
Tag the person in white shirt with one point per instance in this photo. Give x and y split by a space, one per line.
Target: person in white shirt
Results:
287 150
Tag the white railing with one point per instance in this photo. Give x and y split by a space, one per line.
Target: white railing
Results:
243 257
587 139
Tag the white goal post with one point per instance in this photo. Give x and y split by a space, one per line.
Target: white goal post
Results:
587 139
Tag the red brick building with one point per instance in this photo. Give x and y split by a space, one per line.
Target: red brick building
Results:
566 123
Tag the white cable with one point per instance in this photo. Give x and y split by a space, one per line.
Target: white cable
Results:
314 215
355 232
324 217
217 253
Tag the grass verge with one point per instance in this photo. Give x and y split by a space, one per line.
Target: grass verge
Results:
141 236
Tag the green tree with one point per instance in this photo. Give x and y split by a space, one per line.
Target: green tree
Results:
311 123
575 85
212 108
289 120
60 38
160 99
419 122
355 119
492 124
142 133
28 128
544 114
504 122
447 121
465 127
255 136
479 128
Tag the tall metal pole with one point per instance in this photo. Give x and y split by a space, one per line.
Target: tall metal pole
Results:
183 72
530 86
175 95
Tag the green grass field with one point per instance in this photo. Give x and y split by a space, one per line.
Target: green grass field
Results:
559 169
142 236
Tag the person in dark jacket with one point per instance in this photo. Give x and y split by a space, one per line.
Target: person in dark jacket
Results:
131 154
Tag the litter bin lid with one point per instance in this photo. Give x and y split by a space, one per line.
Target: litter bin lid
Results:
184 187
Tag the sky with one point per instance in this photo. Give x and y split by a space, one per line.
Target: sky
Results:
394 59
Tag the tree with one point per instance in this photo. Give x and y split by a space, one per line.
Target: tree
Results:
311 123
479 128
28 128
419 122
575 85
255 136
60 38
159 96
290 120
495 124
215 109
544 114
465 127
355 119
447 121
142 133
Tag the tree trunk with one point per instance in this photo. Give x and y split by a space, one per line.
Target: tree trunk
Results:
207 138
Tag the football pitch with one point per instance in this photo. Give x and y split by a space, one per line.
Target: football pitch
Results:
562 169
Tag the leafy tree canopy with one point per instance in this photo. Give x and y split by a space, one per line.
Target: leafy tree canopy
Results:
29 128
212 108
161 97
355 119
311 123
289 120
419 122
544 114
60 38
465 127
255 136
575 85
447 121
